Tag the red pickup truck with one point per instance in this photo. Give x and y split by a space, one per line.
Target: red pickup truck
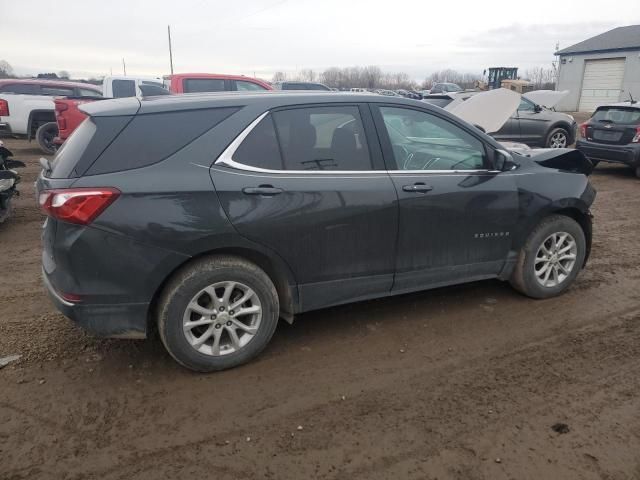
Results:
68 116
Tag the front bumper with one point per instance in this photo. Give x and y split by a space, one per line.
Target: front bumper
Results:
122 320
626 154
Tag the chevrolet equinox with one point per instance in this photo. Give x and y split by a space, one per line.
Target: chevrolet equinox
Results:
211 216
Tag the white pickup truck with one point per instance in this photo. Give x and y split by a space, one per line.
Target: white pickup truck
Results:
27 106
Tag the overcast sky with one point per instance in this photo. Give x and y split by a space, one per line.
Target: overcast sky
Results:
90 37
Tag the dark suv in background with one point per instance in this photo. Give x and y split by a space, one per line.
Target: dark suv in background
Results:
612 134
212 216
531 124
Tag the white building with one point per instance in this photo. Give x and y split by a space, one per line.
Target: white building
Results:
602 69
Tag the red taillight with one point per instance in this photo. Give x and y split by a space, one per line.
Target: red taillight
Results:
583 129
62 123
71 297
636 138
77 205
4 108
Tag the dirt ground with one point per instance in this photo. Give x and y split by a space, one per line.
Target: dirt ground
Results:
456 383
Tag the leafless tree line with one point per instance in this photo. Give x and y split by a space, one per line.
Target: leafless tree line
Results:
373 77
351 77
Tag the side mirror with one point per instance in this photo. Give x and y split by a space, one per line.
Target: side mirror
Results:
537 108
503 161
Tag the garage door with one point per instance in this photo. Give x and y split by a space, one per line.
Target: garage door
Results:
601 83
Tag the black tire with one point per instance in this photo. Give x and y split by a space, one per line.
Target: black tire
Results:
191 280
550 141
595 163
524 277
45 135
637 170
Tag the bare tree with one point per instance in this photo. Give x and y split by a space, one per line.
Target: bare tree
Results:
306 75
279 77
542 78
6 70
63 74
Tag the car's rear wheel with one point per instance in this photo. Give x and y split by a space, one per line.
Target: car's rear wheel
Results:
558 138
551 258
45 135
217 313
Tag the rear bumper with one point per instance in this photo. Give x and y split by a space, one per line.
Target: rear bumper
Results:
123 320
626 154
5 128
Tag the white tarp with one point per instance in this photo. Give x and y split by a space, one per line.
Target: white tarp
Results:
546 98
489 110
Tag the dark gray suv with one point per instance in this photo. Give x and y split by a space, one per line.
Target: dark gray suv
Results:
212 216
530 124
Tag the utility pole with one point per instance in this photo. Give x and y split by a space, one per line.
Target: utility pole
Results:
124 67
170 51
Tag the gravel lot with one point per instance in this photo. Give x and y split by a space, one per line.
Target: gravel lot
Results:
456 383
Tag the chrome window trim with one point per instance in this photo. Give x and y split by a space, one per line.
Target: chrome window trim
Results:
226 159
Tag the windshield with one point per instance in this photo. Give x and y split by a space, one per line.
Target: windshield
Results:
621 115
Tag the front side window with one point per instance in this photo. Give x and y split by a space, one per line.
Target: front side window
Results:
311 139
124 88
243 86
194 85
526 106
422 141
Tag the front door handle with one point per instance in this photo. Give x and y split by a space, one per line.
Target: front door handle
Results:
266 190
417 188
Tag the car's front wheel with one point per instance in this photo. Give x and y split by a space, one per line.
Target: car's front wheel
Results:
551 258
217 313
558 138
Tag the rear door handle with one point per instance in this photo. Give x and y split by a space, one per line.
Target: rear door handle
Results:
266 190
417 188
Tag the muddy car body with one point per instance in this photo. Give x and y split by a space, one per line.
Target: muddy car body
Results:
214 215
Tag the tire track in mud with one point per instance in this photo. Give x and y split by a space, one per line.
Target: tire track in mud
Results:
538 373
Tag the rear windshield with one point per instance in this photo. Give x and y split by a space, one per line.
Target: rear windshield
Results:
621 115
67 157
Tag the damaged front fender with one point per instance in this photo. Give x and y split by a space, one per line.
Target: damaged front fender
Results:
565 159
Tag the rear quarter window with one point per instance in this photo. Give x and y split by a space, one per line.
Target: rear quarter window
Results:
151 138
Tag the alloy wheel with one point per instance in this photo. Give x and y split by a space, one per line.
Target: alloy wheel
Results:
555 259
558 140
222 318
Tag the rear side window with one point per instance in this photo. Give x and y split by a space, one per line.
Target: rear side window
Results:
619 115
56 91
21 89
322 138
193 85
150 138
85 92
318 138
243 86
124 88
